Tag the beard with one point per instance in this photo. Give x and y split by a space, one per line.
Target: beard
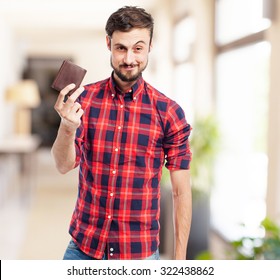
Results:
128 77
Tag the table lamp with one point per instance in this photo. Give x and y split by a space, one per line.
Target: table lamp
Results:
25 95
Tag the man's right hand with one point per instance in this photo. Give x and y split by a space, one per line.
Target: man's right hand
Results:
69 111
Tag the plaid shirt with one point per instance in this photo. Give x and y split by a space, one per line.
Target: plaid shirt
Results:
121 146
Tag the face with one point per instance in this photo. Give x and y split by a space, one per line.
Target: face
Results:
129 53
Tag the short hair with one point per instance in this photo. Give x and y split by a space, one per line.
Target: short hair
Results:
127 18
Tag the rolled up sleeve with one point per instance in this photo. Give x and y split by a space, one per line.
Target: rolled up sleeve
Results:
79 140
176 141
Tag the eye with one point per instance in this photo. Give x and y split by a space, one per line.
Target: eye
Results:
138 49
120 48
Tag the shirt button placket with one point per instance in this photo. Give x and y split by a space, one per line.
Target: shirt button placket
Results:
116 149
111 251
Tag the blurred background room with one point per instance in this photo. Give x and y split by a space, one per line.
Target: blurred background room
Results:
219 59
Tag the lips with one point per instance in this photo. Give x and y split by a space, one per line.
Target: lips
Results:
128 67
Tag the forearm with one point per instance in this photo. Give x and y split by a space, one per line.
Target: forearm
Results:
182 224
182 211
63 150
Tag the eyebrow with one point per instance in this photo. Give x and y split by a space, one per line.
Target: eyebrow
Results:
139 42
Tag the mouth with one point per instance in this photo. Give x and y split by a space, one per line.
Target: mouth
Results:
128 67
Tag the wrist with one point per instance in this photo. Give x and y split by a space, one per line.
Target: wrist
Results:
66 130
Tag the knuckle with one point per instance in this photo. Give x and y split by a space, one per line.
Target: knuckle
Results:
57 108
71 99
63 115
65 90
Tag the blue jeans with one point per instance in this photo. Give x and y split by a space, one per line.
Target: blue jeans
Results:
73 252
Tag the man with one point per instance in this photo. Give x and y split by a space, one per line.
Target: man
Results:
120 132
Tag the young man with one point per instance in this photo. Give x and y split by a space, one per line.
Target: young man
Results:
121 131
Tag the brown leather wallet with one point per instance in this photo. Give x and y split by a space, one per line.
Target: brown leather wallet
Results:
67 74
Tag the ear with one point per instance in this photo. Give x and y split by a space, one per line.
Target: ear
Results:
108 42
151 46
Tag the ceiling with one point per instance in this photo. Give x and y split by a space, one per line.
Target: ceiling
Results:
35 16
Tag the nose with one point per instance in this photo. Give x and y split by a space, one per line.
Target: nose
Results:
129 57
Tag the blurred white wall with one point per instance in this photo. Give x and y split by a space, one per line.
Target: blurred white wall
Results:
8 75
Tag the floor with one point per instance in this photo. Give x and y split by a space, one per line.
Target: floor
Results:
37 227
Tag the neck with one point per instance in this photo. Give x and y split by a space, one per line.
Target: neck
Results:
123 86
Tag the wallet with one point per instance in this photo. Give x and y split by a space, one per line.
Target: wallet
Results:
67 74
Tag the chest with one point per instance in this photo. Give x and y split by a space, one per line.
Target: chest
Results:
118 124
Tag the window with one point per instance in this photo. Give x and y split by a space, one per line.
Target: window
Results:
241 170
184 88
239 18
184 37
242 82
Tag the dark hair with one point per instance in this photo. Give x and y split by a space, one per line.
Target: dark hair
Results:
129 17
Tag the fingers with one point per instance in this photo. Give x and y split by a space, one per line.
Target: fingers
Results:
78 111
60 104
63 93
74 114
67 89
71 116
73 97
70 111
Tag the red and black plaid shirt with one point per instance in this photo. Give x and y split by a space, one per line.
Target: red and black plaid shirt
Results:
121 146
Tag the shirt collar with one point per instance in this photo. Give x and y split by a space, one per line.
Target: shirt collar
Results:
132 94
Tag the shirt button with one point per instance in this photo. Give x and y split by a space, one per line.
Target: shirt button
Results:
111 249
111 254
114 171
113 95
116 149
134 98
121 106
111 194
119 127
109 216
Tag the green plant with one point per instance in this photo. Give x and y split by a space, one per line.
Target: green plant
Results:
266 247
204 142
204 255
250 248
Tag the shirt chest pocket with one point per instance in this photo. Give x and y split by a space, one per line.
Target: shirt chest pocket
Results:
143 140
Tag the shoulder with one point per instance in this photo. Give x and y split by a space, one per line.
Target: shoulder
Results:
162 101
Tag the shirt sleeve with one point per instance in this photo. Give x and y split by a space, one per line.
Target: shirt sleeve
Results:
79 140
176 141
